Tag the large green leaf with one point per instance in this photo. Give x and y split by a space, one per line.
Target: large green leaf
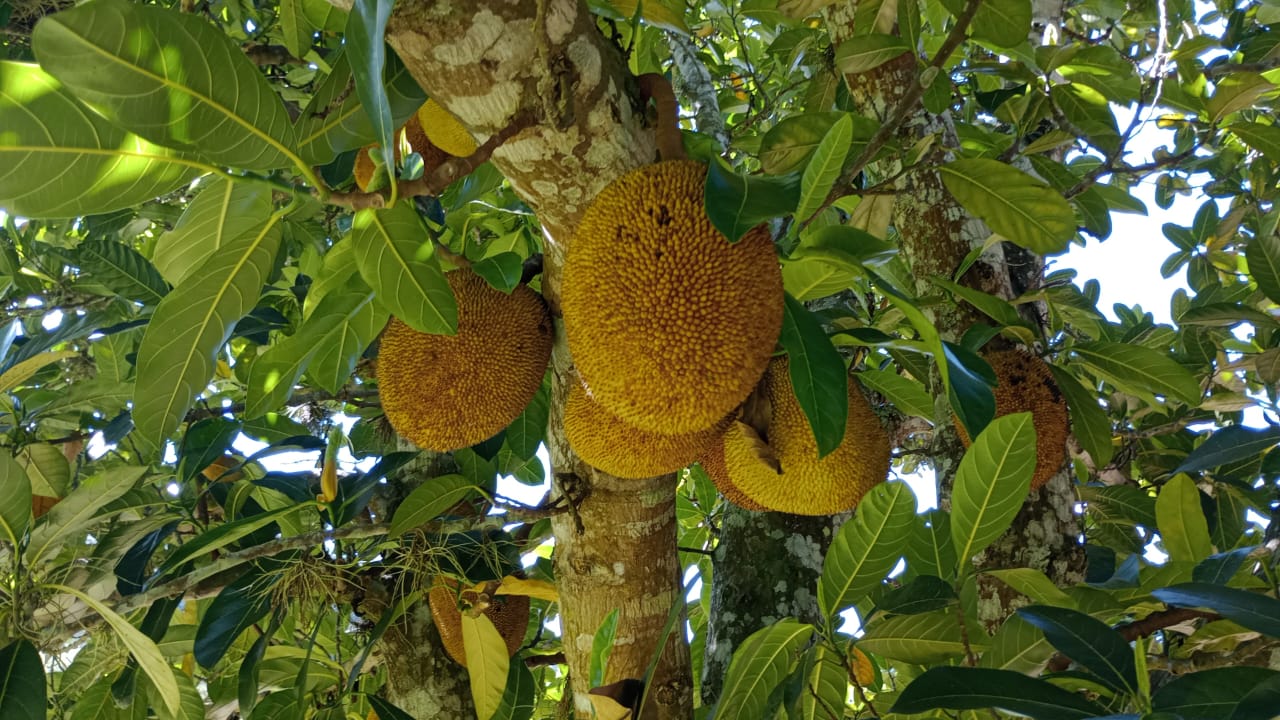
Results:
58 159
1019 646
15 499
341 348
218 538
396 257
223 211
1263 255
929 550
428 501
1089 642
1004 23
826 684
141 647
80 509
1263 138
1019 207
957 688
1184 529
518 702
1230 444
22 682
991 483
923 639
172 78
243 602
1089 422
193 322
335 121
824 167
1252 610
788 144
759 665
867 547
818 376
861 53
736 203
367 53
1210 694
907 395
1140 370
122 269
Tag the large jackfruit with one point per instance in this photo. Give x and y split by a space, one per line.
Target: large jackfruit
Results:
508 613
669 323
1025 384
609 444
780 468
446 392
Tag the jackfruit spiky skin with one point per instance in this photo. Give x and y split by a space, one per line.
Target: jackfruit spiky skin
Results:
669 324
713 464
508 613
446 392
444 130
805 485
1025 384
606 443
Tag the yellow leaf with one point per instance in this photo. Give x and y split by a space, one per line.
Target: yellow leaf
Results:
329 473
540 589
20 373
487 663
863 671
661 13
608 709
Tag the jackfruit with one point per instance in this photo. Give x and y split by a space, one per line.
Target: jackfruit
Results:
508 613
443 129
1025 384
609 444
669 324
415 137
446 392
713 464
780 468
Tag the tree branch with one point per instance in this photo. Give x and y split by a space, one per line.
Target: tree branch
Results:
1139 629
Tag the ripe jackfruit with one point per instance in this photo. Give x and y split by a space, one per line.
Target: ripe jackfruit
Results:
446 392
1025 384
609 444
781 469
443 129
508 613
669 323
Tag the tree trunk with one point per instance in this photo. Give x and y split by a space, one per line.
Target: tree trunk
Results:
767 567
544 65
422 679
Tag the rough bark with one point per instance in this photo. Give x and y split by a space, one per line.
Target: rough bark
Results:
767 567
936 234
543 63
421 678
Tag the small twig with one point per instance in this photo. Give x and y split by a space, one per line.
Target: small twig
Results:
535 661
969 657
1214 72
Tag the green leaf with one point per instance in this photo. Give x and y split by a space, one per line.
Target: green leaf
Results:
487 663
396 257
1256 612
26 369
385 710
1260 701
1183 527
930 550
80 509
501 271
526 433
824 167
846 246
1230 444
203 443
367 53
959 688
1019 646
867 547
759 665
922 594
1089 642
1210 694
1263 138
1019 207
192 707
1263 255
826 684
22 683
141 647
342 347
1139 370
923 639
47 468
189 328
993 307
518 702
122 269
275 372
602 646
58 159
15 499
788 145
1003 23
991 483
1089 422
737 203
1034 584
1218 569
969 387
172 78
428 501
818 375
1236 92
335 121
907 395
861 53
243 602
216 539
223 211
